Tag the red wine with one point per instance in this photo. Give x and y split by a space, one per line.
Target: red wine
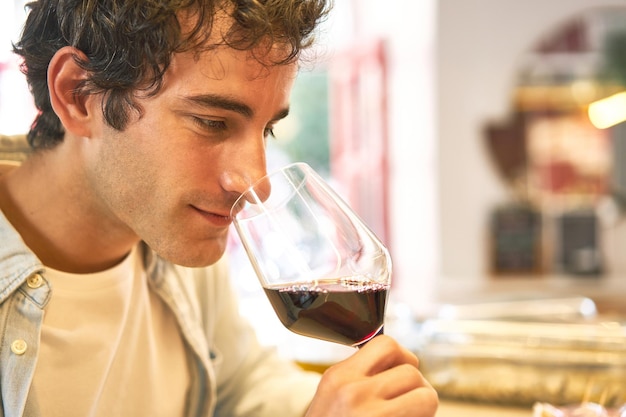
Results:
338 310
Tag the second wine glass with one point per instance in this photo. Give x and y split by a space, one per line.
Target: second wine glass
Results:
326 274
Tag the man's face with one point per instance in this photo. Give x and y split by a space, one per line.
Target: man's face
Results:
172 175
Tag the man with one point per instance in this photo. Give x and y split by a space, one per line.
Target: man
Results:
114 299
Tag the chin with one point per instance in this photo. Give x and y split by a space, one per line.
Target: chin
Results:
202 255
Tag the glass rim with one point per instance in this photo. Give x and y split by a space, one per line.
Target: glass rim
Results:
304 168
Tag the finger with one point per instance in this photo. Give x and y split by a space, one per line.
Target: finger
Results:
399 380
420 402
382 353
397 391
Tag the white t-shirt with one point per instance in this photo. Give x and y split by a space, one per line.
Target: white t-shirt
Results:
109 347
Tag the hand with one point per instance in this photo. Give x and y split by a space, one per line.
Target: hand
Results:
380 379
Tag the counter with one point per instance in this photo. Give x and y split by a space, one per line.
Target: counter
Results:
607 291
460 409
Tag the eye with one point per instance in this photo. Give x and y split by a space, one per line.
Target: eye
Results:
209 124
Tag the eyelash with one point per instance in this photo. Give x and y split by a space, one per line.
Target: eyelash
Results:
208 124
269 131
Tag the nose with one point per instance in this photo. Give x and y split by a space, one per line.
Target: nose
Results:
250 192
253 198
237 181
244 170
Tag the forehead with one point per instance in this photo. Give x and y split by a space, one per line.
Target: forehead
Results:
227 65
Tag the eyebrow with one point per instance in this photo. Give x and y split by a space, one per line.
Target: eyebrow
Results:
230 104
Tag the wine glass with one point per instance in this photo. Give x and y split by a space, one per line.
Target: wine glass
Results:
325 273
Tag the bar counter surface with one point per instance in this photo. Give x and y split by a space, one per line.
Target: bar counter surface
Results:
461 409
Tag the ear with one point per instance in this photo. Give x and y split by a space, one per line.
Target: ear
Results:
75 110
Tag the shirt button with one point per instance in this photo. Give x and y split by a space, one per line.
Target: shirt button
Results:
34 281
18 346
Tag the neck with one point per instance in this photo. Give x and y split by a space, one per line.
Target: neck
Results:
49 203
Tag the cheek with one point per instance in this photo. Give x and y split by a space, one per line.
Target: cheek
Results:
124 172
125 184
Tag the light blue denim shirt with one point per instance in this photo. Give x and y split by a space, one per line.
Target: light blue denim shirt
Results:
232 375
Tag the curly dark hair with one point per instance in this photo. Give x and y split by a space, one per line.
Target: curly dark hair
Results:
128 45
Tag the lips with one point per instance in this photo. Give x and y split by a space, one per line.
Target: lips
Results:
216 218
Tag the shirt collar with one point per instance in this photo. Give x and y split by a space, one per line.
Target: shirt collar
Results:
17 261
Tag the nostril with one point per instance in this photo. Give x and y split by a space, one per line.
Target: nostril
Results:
235 182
